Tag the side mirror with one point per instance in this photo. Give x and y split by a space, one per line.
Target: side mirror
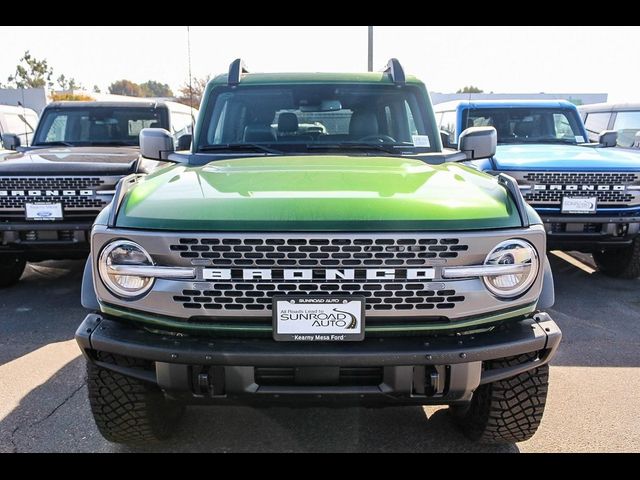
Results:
608 138
11 141
478 142
156 143
445 137
184 142
636 140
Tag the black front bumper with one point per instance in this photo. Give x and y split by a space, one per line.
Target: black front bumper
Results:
589 233
45 240
416 369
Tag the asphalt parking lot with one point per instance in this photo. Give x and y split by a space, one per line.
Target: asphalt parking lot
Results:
592 406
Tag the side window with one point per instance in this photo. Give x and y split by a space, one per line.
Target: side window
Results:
180 123
627 124
596 123
57 129
413 130
217 136
562 126
448 124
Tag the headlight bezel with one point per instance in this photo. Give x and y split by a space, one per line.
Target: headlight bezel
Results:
105 274
524 286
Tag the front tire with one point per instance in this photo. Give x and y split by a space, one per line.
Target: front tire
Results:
621 262
11 269
128 410
505 411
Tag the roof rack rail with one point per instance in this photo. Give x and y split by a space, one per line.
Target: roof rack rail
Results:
236 69
396 71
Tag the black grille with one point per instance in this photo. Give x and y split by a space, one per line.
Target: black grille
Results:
555 196
593 179
51 183
318 252
411 296
583 178
8 201
346 376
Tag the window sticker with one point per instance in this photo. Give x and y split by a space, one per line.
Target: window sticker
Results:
420 140
579 139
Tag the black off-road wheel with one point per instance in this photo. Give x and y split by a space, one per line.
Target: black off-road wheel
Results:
506 411
11 269
621 262
128 410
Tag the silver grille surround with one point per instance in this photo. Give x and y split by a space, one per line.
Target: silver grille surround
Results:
610 198
402 298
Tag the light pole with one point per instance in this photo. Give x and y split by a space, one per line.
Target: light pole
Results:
370 50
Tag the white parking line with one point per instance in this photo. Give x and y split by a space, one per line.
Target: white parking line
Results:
573 261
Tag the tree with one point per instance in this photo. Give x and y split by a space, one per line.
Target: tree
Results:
470 89
96 89
151 88
125 87
68 83
31 73
68 96
192 95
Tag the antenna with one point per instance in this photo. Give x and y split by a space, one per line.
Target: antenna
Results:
190 85
24 119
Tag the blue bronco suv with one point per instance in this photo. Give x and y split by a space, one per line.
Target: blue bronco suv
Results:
587 195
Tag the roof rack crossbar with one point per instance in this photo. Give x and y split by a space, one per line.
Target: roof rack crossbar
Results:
396 71
236 69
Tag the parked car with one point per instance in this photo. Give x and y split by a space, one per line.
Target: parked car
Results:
51 191
357 262
588 196
18 120
624 118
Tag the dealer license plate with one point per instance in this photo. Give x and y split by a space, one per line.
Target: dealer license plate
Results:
337 318
43 211
579 204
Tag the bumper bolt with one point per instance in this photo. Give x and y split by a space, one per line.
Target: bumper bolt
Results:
428 357
463 355
174 356
207 357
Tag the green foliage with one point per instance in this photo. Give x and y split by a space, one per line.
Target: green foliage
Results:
125 87
192 94
470 89
31 73
151 88
68 83
96 89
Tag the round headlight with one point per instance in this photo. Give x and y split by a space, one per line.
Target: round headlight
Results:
512 252
122 253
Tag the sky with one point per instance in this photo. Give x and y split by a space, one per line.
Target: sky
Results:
499 59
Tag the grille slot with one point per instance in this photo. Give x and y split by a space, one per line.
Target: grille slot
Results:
347 376
319 252
416 297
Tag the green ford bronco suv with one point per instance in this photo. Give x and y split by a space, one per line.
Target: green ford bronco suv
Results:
349 260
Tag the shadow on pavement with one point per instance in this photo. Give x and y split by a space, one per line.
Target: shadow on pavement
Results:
598 316
245 429
44 307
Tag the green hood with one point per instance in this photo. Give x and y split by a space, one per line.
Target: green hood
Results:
339 193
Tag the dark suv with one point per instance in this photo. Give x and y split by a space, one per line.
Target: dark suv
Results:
51 192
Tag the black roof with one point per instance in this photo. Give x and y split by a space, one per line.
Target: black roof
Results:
119 103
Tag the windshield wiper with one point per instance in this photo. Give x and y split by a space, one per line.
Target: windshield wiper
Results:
234 147
53 144
357 146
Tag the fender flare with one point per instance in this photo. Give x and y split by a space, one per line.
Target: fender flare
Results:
88 296
547 296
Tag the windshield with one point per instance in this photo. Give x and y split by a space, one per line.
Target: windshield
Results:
299 118
97 126
528 125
